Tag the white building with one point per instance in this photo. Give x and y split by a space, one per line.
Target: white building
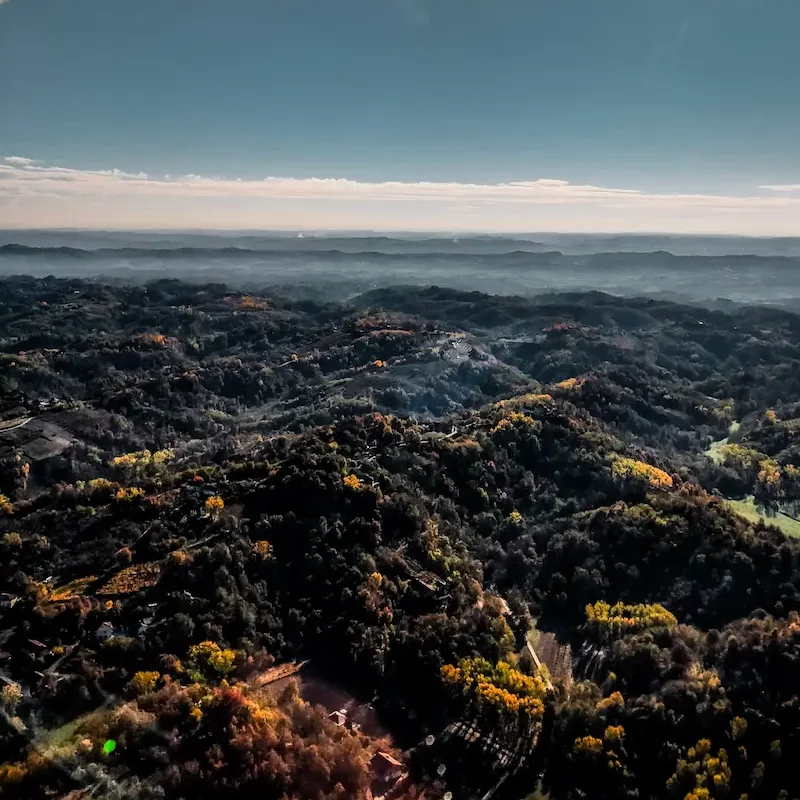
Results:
105 632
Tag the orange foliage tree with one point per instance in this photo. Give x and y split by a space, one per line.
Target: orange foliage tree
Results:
214 505
233 740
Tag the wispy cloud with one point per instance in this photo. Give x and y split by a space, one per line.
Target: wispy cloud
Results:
19 174
64 192
788 187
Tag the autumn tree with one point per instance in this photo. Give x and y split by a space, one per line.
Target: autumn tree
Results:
498 698
607 622
213 505
632 469
208 658
143 682
5 505
11 696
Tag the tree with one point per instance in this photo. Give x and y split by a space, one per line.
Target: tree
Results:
213 505
498 697
12 540
614 621
208 658
263 549
630 468
144 682
11 696
352 482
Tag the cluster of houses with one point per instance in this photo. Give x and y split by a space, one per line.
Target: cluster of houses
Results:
108 630
388 774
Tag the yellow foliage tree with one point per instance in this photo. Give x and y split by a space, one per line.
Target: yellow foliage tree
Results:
263 549
570 384
770 472
352 482
614 733
101 486
11 696
513 420
12 540
125 461
702 775
615 701
163 456
738 728
610 622
209 656
524 400
5 505
144 682
142 459
627 468
214 505
588 744
128 493
497 695
741 457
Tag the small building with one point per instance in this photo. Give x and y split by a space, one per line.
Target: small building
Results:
339 718
386 768
144 625
105 632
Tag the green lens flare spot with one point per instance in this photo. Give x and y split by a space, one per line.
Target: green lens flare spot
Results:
109 747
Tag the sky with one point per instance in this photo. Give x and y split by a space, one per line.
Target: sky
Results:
490 115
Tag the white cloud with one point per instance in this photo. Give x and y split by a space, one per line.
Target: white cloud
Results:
48 195
789 187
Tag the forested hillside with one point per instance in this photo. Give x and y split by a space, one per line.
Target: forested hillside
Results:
507 528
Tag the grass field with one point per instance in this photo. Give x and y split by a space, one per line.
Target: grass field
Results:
747 509
715 451
132 579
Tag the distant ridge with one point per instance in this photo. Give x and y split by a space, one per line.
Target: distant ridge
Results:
508 258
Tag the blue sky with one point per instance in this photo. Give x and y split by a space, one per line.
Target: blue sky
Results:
694 97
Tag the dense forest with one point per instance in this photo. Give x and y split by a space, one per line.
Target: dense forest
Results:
510 530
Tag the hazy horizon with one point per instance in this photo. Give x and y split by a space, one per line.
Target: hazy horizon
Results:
339 266
319 232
